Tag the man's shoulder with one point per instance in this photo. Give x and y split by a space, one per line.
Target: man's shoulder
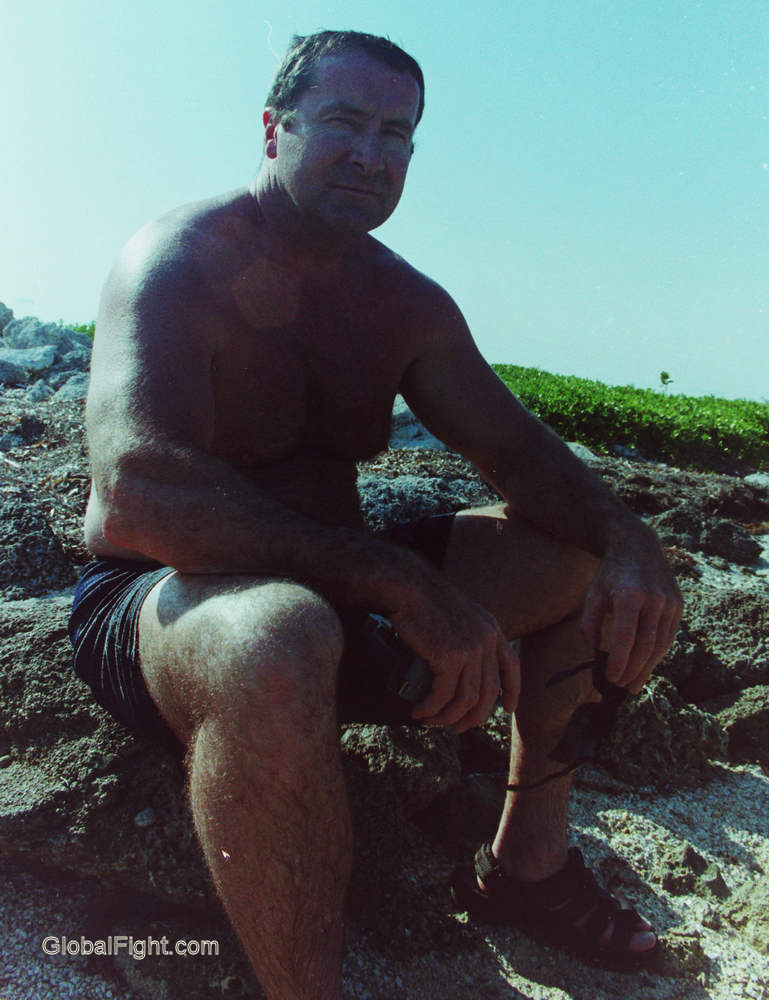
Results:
180 234
419 291
178 247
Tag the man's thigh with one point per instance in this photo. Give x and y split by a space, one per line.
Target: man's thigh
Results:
206 639
528 580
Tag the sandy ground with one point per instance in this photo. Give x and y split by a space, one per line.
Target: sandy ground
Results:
710 956
726 820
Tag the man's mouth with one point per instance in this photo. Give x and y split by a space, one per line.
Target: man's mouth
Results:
356 189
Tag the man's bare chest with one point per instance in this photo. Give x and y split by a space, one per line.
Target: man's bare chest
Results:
325 383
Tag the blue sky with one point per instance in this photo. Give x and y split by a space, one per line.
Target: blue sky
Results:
591 179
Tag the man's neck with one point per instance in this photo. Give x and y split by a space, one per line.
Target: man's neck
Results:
300 243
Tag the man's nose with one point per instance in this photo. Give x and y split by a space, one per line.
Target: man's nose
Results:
368 151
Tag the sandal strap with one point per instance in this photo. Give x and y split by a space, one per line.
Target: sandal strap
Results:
487 867
626 923
566 897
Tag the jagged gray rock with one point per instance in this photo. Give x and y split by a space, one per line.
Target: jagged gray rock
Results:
32 560
404 498
46 357
408 432
712 535
29 332
6 316
76 387
744 717
723 643
659 739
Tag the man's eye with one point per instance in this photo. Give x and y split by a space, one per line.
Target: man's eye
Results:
395 134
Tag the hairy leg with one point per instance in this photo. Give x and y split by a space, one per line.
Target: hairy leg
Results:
244 671
535 586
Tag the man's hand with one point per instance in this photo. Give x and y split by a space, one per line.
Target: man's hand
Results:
468 654
635 604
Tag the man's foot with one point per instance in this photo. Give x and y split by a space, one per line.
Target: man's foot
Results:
568 909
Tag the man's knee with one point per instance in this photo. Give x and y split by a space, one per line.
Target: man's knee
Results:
245 652
527 579
279 653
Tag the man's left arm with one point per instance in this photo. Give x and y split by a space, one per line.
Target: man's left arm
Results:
462 401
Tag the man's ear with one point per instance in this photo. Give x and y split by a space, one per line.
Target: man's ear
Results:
270 121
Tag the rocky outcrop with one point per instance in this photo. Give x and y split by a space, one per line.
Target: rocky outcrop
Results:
77 793
47 359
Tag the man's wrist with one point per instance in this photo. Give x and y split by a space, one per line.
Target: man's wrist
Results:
628 533
401 576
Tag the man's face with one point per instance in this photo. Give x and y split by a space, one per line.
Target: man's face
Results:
342 157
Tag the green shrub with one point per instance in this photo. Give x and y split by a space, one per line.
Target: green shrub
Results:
88 328
692 432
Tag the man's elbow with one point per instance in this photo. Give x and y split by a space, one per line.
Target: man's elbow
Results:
122 509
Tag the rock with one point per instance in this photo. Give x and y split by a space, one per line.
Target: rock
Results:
76 387
749 912
744 717
760 480
711 535
38 392
28 430
653 489
418 765
32 560
11 373
80 794
31 333
708 660
658 739
29 347
6 315
388 501
730 541
145 818
408 432
31 360
582 452
76 781
77 359
678 527
683 952
685 871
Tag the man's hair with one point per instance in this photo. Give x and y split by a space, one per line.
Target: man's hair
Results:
295 74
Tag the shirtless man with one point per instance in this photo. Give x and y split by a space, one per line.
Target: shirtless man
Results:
247 354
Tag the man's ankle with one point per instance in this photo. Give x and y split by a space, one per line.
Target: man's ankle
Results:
531 862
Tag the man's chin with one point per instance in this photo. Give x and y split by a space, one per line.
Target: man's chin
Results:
357 223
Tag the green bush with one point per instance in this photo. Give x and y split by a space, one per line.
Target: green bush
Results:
88 328
692 432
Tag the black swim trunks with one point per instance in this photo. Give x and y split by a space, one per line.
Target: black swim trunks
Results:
104 623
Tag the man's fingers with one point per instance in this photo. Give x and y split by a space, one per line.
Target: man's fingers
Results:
622 636
500 670
470 703
441 693
594 612
641 660
509 675
656 626
463 703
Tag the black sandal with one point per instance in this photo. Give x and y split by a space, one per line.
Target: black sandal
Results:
549 910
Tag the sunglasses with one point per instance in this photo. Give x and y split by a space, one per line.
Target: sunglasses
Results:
590 724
